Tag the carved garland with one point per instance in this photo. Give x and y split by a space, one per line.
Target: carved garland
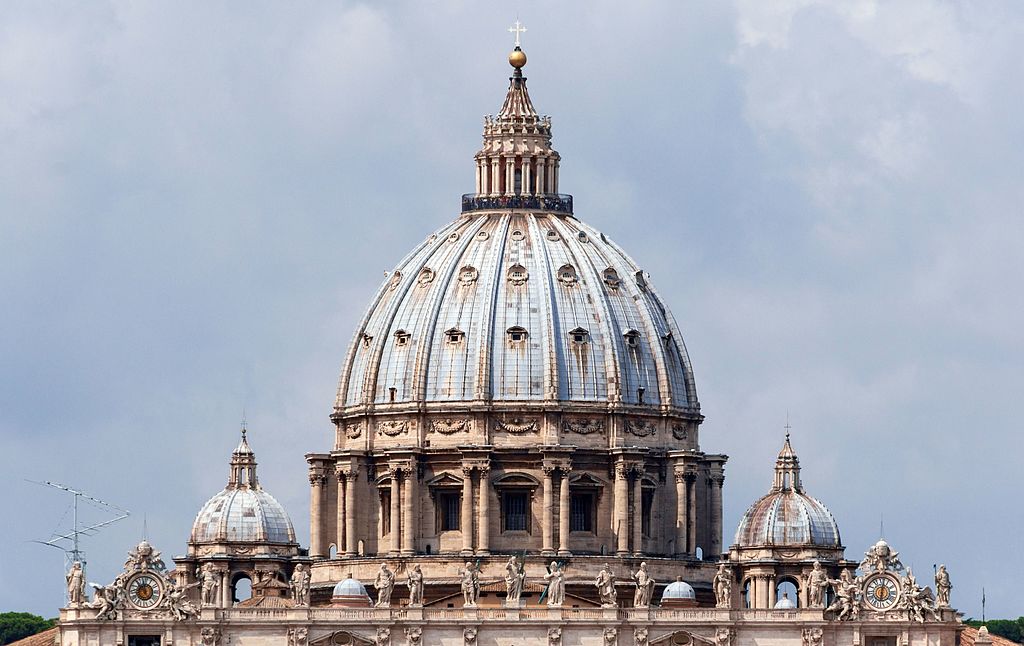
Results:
583 426
640 428
448 426
517 426
391 428
679 431
353 431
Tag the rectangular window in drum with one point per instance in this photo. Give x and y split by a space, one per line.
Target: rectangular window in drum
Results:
449 511
581 512
515 511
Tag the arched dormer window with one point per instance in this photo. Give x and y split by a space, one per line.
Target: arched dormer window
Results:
516 335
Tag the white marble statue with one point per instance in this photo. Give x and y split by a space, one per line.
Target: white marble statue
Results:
415 583
107 600
917 601
300 584
644 587
470 585
942 587
76 584
847 604
515 578
210 582
385 584
605 584
556 585
816 581
723 587
178 603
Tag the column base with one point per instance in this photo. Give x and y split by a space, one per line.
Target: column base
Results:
564 553
621 552
408 552
547 552
351 554
483 553
466 552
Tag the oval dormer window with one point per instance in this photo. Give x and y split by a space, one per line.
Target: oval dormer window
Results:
468 275
632 338
611 278
551 234
518 235
567 275
517 274
426 276
402 338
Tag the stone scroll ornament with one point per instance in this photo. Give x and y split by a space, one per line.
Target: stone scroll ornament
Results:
583 426
554 636
517 426
611 636
297 636
640 636
391 428
449 426
724 636
469 636
413 635
383 637
640 428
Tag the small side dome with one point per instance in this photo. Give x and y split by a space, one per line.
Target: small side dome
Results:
785 603
243 512
787 516
678 594
350 593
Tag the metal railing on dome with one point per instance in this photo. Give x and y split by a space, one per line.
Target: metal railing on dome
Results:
556 203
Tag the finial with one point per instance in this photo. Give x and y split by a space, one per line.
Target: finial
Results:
243 424
787 426
517 29
517 58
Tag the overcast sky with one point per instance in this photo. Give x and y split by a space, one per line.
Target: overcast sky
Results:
197 202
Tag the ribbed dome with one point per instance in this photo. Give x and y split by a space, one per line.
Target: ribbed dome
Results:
243 516
787 515
243 512
517 306
678 590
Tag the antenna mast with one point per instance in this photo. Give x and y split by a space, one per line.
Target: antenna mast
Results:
70 542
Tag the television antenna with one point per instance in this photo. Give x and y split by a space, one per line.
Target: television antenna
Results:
70 542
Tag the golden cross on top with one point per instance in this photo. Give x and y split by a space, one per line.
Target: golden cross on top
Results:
517 29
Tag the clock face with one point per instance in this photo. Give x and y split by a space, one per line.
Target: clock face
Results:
144 591
881 592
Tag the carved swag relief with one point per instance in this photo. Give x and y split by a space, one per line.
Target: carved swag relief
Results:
583 426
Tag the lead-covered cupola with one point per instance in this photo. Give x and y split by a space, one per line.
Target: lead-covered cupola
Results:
517 158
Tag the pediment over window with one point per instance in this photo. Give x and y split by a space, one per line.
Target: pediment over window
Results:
341 638
586 480
516 480
680 638
445 480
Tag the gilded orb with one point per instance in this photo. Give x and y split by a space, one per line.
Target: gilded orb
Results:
517 58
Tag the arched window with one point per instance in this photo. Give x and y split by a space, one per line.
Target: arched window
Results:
241 587
748 594
787 589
